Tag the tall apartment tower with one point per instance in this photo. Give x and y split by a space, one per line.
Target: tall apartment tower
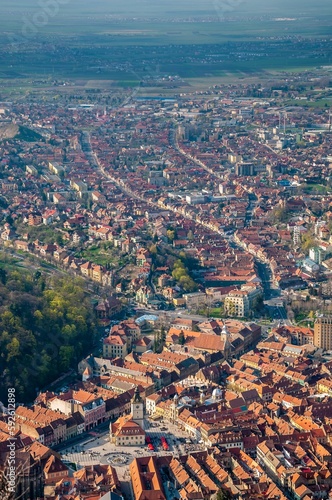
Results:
323 333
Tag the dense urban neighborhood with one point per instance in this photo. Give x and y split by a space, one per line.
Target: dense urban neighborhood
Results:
175 253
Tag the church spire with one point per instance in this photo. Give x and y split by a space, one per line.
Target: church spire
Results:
226 338
224 330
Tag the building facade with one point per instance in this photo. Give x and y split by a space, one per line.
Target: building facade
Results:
323 333
128 430
237 304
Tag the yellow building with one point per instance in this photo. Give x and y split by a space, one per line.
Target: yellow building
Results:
115 346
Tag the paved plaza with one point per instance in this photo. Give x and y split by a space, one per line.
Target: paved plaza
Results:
97 449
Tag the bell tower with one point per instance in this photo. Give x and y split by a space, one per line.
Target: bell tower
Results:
225 336
137 408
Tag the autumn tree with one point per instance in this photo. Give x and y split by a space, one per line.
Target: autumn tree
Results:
170 235
307 241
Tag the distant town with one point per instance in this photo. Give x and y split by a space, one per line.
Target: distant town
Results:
199 225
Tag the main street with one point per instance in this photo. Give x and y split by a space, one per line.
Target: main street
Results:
128 191
263 269
175 144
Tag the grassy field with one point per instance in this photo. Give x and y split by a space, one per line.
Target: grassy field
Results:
192 62
320 103
9 263
314 189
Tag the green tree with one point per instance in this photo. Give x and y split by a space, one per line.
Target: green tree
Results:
66 357
13 349
307 241
156 341
170 235
153 250
3 276
223 495
188 284
42 332
279 214
45 369
59 239
181 339
163 335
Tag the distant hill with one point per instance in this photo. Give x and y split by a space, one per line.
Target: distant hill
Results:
12 131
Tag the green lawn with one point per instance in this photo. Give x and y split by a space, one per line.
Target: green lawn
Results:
103 255
314 188
9 263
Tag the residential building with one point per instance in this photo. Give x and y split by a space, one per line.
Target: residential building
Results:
323 333
146 479
237 303
194 300
115 346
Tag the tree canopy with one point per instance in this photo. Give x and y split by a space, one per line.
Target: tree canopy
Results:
182 277
45 329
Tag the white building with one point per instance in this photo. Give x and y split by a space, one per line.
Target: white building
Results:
316 255
237 303
151 403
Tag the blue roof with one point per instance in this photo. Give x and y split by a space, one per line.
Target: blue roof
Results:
146 317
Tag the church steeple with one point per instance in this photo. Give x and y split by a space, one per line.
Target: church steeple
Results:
225 336
224 330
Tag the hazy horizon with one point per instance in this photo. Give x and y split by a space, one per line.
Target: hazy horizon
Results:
180 8
101 38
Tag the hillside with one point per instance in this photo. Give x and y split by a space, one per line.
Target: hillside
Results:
46 327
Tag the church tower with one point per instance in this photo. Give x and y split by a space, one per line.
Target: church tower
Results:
225 336
174 409
137 408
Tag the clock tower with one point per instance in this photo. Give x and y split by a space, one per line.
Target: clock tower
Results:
137 408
